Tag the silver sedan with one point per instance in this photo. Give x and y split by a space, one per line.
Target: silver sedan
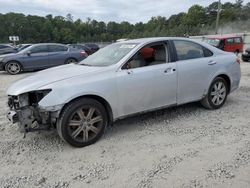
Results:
121 80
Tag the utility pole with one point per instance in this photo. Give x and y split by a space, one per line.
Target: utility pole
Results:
218 17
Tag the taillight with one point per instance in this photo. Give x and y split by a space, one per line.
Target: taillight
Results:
238 60
83 54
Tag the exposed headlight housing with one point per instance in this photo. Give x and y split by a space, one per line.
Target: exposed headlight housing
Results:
36 96
27 99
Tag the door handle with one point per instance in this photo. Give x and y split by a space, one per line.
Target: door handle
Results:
129 72
169 70
212 62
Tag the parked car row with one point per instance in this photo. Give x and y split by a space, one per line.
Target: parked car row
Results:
40 56
6 49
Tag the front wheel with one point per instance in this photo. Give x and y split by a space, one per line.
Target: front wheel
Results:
217 94
13 67
82 122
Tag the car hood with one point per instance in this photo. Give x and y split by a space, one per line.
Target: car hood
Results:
49 76
7 55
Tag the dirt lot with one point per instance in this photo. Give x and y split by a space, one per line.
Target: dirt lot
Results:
186 146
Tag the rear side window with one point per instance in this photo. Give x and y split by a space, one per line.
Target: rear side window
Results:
237 40
207 52
57 48
188 50
39 49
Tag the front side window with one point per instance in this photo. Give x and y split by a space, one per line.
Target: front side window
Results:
57 48
188 50
230 40
148 56
39 49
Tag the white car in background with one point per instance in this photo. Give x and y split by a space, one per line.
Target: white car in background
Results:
120 80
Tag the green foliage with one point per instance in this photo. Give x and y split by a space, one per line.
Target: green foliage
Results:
198 20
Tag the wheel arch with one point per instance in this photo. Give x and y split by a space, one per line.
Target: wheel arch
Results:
226 78
13 61
100 99
70 58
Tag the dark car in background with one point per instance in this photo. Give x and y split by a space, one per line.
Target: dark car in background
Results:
7 49
82 47
92 47
246 56
40 56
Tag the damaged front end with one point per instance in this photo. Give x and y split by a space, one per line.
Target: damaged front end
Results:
25 111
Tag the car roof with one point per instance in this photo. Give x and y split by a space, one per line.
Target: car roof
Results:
48 44
222 37
154 39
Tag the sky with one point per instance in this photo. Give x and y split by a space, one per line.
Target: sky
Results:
103 10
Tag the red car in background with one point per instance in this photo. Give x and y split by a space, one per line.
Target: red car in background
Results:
227 43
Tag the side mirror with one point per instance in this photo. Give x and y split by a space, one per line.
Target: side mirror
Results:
28 53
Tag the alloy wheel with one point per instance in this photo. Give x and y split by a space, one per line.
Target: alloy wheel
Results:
70 61
85 123
218 93
13 68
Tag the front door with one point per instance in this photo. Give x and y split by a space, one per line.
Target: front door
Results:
147 81
36 58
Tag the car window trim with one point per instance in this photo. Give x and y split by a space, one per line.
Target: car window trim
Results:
57 45
166 45
176 56
41 52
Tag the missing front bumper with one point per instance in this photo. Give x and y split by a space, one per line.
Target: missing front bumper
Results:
12 117
29 119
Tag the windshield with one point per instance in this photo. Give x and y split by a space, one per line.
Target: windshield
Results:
109 55
213 42
25 49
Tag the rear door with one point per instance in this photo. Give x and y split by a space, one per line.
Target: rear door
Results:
58 54
195 65
37 58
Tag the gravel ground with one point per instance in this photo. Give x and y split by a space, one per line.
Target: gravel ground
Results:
186 146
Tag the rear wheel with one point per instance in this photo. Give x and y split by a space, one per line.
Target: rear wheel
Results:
82 122
70 61
245 59
217 94
13 67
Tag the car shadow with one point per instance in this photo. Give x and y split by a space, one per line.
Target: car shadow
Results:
149 119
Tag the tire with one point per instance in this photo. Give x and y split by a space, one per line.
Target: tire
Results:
75 122
216 98
13 67
70 61
245 59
